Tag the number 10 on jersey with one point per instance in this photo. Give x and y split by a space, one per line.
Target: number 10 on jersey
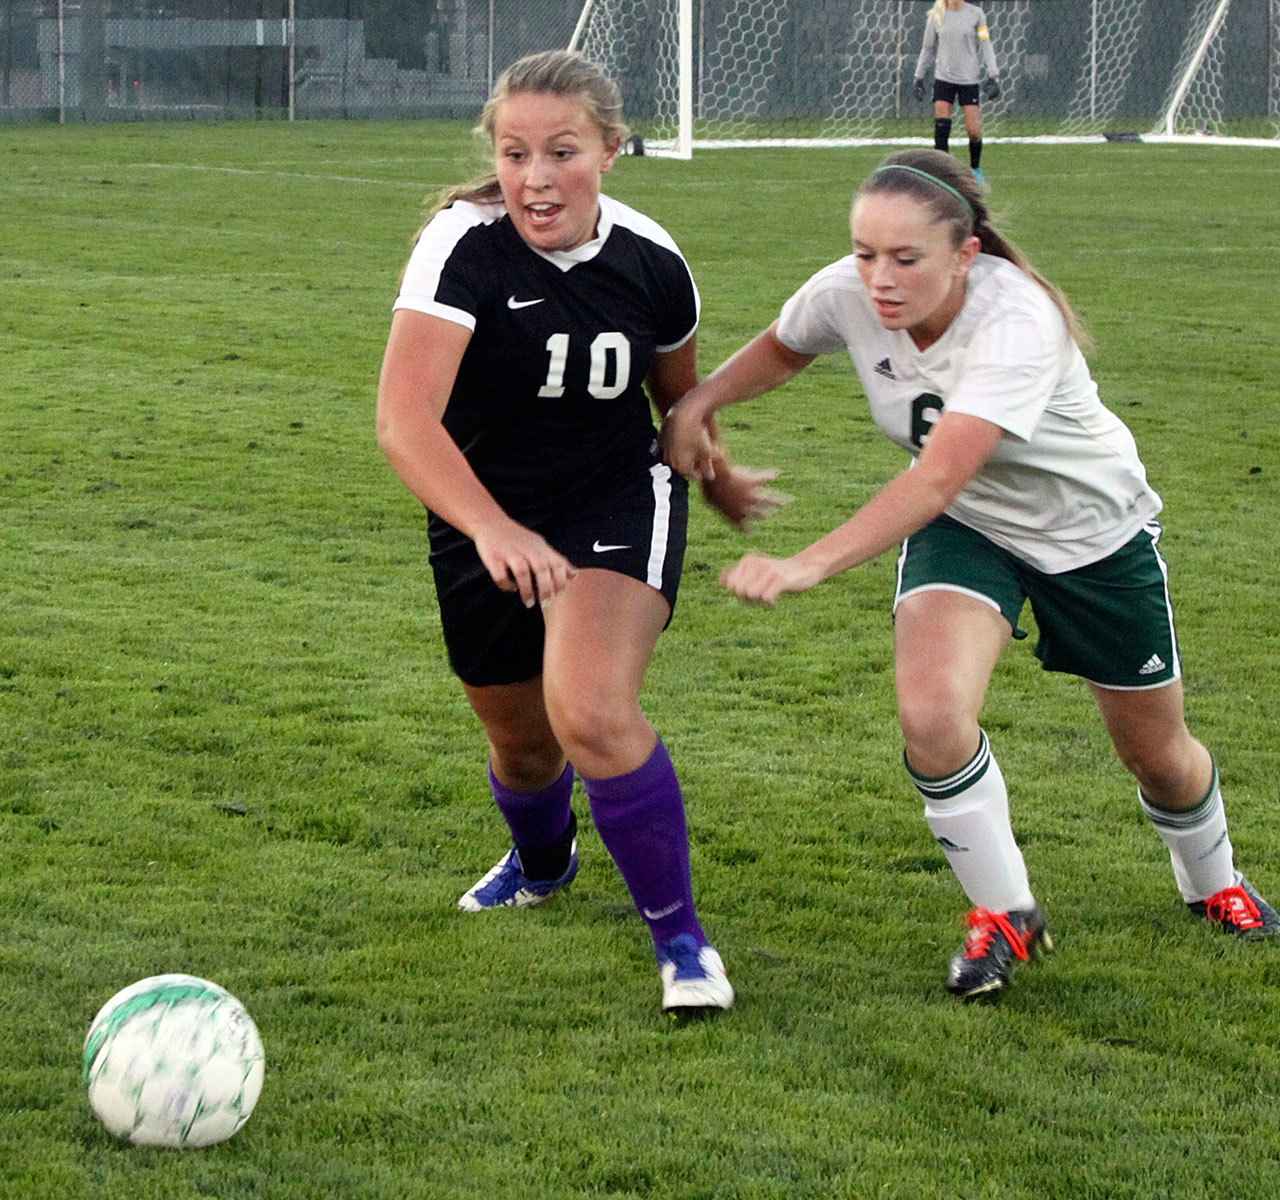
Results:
606 346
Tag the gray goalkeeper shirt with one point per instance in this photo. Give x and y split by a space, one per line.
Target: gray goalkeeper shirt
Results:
956 46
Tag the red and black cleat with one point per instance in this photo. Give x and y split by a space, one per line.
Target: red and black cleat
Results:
1239 910
995 942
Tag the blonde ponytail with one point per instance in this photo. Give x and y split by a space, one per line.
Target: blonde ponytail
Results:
549 73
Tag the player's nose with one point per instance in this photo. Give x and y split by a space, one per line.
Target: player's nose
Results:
881 274
539 173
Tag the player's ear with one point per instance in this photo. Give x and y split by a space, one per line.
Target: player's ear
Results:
611 152
969 250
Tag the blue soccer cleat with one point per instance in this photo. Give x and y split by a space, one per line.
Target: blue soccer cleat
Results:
693 978
507 886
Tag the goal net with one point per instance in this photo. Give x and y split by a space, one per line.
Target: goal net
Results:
1220 35
712 73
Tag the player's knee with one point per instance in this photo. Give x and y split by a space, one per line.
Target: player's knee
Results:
1158 772
590 724
1168 765
939 737
525 762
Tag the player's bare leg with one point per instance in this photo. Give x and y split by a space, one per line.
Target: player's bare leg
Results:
532 786
1179 792
947 644
601 633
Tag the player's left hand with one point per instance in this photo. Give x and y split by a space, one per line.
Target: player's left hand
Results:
687 443
919 89
739 494
761 580
992 88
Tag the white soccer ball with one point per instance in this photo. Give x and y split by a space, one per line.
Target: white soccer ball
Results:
173 1060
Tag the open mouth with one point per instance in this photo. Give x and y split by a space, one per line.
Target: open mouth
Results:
542 213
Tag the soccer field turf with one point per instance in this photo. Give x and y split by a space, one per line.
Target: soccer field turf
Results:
230 746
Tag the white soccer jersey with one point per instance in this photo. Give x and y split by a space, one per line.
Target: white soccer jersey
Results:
1065 486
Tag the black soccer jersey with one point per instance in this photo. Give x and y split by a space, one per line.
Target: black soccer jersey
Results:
548 406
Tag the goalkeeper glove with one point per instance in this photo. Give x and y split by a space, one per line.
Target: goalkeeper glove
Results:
919 85
993 88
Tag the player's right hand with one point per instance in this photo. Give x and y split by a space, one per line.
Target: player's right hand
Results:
758 579
919 87
519 560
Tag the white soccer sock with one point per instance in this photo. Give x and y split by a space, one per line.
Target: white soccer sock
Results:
1198 842
968 813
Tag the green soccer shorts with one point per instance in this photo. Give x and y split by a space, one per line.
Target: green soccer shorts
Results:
1110 622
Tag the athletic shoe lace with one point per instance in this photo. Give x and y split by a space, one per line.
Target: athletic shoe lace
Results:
983 927
1235 906
686 955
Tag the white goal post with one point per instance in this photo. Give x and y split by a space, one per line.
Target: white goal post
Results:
721 73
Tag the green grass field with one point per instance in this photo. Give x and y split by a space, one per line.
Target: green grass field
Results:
229 744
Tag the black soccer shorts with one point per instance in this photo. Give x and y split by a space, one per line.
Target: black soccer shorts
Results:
639 530
964 94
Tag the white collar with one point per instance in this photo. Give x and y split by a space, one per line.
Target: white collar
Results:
564 259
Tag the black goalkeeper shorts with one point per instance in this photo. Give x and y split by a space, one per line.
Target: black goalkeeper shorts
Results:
964 94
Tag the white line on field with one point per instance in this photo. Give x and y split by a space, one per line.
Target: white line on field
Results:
280 174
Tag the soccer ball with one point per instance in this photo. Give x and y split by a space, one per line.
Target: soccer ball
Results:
173 1060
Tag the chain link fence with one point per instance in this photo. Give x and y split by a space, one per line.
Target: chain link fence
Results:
92 60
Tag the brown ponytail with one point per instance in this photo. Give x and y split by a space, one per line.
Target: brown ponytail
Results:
939 180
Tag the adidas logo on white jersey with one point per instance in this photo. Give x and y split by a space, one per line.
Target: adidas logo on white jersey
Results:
883 368
1152 665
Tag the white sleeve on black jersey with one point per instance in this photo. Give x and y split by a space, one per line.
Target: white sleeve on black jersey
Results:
433 282
681 314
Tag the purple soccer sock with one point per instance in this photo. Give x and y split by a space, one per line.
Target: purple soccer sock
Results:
640 819
539 822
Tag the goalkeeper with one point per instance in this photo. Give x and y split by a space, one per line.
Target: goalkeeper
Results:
955 34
